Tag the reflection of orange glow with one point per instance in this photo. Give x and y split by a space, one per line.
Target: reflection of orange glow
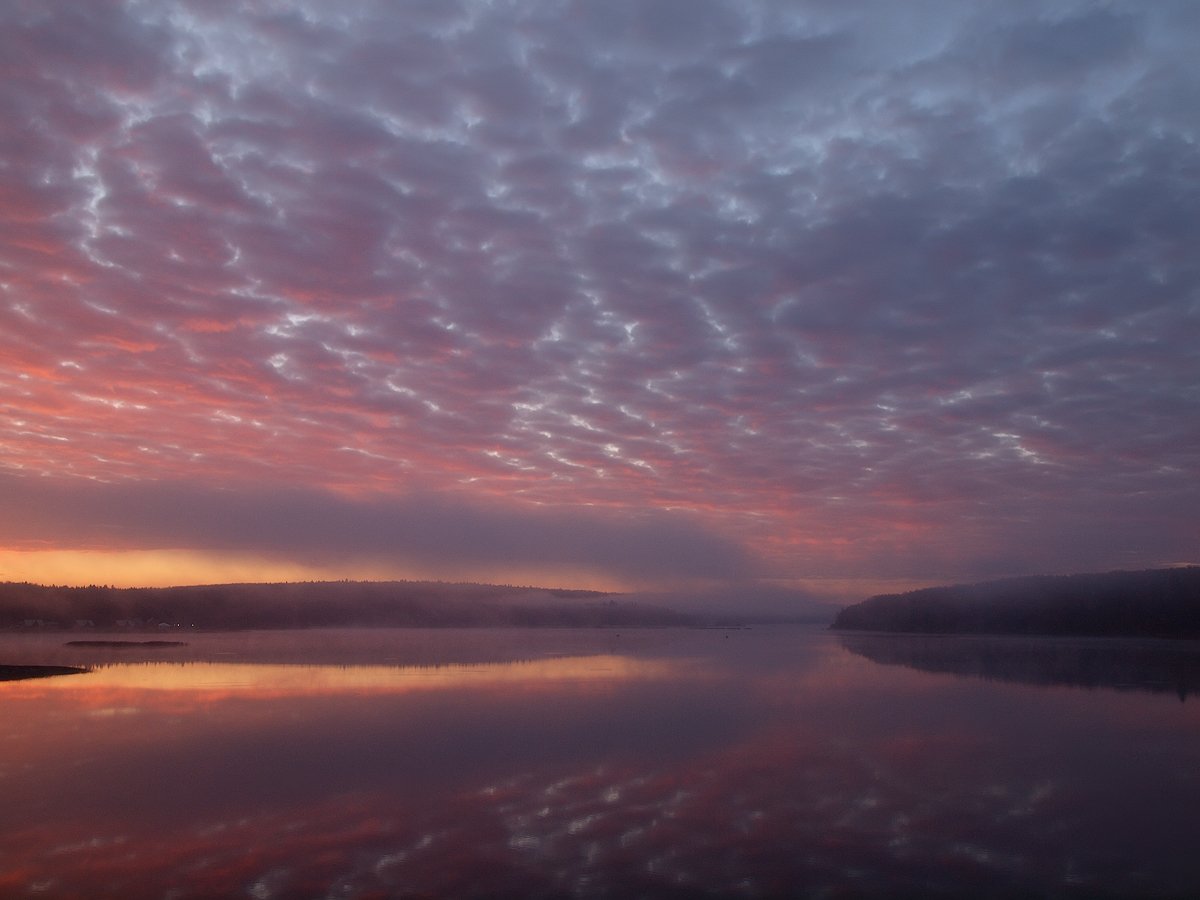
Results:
226 679
860 780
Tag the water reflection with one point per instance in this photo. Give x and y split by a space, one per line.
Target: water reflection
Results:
1128 665
271 681
348 646
764 764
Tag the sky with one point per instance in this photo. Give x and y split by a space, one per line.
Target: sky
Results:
824 297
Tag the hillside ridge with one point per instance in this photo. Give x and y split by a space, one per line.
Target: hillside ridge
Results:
1145 603
220 607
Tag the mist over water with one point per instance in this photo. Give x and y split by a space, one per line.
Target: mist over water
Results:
557 763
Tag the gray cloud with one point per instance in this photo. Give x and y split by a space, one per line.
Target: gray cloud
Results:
305 526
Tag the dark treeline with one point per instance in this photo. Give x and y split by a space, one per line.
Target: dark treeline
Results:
316 604
1151 603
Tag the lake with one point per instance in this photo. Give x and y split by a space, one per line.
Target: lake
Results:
765 762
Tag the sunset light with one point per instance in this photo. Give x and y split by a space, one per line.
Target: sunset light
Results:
599 449
596 293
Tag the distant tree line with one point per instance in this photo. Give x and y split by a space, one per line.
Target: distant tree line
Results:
1150 603
26 606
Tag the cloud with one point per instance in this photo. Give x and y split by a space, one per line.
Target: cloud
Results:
811 272
439 533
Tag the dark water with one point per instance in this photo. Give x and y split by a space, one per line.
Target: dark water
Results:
668 763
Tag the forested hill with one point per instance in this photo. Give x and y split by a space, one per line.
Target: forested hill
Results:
315 604
1151 603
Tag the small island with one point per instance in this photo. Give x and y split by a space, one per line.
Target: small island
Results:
1160 603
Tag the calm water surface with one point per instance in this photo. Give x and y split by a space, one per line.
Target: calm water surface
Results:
553 763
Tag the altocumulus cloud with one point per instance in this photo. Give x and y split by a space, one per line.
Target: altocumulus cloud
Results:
879 288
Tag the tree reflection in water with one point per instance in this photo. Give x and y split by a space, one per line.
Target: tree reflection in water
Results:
1156 666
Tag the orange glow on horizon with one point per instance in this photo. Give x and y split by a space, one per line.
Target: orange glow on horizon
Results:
173 568
176 568
149 568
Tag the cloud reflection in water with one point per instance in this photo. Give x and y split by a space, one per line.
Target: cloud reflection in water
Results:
759 765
